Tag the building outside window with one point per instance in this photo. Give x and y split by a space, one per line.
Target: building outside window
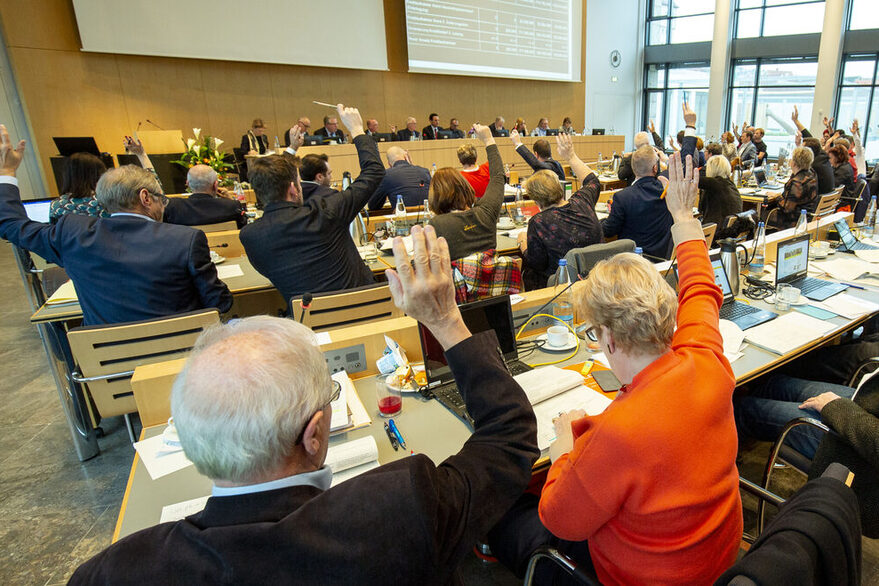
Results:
671 22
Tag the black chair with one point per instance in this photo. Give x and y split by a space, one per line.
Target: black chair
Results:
740 225
240 163
564 562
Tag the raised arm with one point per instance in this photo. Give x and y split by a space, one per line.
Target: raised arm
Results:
348 203
524 152
490 204
566 151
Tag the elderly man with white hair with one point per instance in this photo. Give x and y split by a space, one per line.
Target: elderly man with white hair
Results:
252 410
625 172
208 204
411 131
402 178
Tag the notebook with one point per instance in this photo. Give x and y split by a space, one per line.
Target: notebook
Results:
791 264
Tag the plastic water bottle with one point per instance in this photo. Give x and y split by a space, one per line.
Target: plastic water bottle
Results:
433 170
802 223
400 217
428 215
759 258
869 229
277 145
563 308
639 251
239 192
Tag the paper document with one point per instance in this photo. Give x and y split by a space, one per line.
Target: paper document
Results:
63 295
407 240
356 412
787 332
159 458
871 256
341 416
848 306
352 458
733 336
229 271
581 397
514 233
182 510
847 268
542 383
322 338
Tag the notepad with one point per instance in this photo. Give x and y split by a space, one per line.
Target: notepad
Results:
63 295
787 332
159 458
182 510
228 271
848 306
352 458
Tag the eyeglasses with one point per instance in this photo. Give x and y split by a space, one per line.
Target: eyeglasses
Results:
337 392
592 333
159 196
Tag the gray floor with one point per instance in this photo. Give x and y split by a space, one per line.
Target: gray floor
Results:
56 512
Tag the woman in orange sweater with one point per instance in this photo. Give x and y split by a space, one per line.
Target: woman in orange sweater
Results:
651 483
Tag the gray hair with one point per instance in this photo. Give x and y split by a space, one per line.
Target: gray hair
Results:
718 167
802 157
395 154
643 161
201 178
642 139
119 189
245 395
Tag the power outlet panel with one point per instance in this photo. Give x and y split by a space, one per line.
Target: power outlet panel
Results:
536 324
350 359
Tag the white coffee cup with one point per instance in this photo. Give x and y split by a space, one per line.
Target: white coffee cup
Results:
557 336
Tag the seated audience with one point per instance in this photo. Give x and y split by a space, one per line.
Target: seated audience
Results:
159 269
316 176
567 127
820 160
410 132
330 131
402 178
728 145
468 224
747 152
853 442
625 173
560 225
476 176
631 492
252 409
842 170
81 175
800 192
638 212
542 157
758 143
520 127
497 127
205 205
431 131
302 125
255 141
542 127
304 246
455 129
720 197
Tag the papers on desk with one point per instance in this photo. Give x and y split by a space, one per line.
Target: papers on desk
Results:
848 306
846 268
353 415
229 271
159 458
182 510
787 332
352 458
63 295
514 233
733 336
388 244
871 256
542 383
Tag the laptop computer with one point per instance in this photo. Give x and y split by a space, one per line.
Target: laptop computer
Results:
68 145
38 209
850 242
383 137
598 132
791 264
495 314
760 178
312 140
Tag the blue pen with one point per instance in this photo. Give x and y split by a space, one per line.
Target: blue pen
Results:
397 433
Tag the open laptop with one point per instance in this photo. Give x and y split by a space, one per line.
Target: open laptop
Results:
38 209
762 181
850 242
68 145
598 132
791 264
480 316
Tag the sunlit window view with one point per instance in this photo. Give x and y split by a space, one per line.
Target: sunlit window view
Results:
859 100
667 87
679 21
773 18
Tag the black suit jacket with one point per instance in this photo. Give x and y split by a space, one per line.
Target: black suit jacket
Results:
310 189
427 132
823 169
406 134
338 135
203 208
537 165
124 268
410 181
407 522
306 248
262 143
495 131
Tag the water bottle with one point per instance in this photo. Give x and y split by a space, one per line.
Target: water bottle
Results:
400 217
759 256
239 192
639 251
519 215
869 229
428 215
802 224
277 145
563 308
433 170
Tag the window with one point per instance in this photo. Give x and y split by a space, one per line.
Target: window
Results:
764 92
667 86
859 99
772 18
863 15
679 21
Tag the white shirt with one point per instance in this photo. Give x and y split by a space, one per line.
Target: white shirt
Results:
320 478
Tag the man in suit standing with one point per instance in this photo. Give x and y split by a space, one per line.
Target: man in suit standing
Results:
273 517
127 267
411 130
305 246
205 205
639 212
497 127
330 130
431 131
316 176
542 157
402 178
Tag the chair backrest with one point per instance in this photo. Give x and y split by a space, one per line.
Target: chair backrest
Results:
218 227
226 243
581 260
486 274
709 230
112 352
742 224
336 309
827 202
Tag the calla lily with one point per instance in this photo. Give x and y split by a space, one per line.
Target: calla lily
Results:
190 142
217 143
196 132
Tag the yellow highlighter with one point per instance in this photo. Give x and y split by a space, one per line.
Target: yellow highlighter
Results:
587 367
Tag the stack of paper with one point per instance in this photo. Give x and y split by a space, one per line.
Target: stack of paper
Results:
352 458
542 383
349 414
787 332
848 306
65 294
733 336
846 268
159 458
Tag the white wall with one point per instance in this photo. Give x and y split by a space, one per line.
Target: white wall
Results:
610 25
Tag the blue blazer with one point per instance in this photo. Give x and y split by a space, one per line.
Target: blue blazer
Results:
410 181
638 213
124 268
203 208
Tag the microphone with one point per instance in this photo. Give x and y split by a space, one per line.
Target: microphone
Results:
154 124
306 303
139 124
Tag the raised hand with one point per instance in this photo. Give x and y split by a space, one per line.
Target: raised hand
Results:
795 115
651 127
135 147
565 146
682 193
798 138
296 138
10 156
484 134
514 136
689 115
855 127
735 128
351 119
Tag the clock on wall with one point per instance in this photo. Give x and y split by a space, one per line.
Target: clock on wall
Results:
615 58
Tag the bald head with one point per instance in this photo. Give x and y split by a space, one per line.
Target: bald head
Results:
395 154
202 179
642 139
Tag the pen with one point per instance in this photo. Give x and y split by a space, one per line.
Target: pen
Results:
391 437
854 286
397 433
333 106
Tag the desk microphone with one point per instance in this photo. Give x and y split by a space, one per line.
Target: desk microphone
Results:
154 124
306 303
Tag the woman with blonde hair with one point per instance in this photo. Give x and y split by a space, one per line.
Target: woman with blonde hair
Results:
720 198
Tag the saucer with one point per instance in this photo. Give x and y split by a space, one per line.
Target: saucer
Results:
509 226
572 343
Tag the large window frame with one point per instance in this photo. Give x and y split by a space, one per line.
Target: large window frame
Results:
664 90
871 117
669 18
761 6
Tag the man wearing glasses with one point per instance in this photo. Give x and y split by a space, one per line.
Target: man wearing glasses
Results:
127 267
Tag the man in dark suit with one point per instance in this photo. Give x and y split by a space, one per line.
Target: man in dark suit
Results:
402 178
305 246
542 157
127 267
431 131
639 212
625 172
410 132
330 130
316 176
205 205
272 517
300 128
453 128
497 127
255 141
